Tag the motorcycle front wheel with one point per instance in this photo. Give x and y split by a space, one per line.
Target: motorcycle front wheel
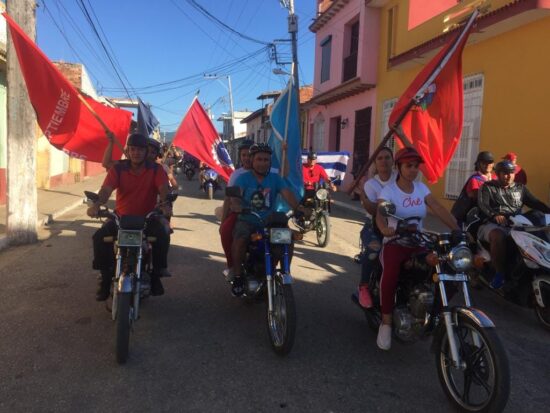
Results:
281 323
123 324
323 229
543 315
190 174
210 192
483 383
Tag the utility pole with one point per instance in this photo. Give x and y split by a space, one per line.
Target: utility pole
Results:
228 77
21 183
293 30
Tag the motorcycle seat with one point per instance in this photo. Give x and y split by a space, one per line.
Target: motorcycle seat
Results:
132 222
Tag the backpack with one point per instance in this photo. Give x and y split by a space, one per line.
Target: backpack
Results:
464 203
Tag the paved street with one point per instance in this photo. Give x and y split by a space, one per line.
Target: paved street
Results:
198 349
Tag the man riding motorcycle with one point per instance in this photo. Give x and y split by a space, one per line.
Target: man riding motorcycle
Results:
259 190
137 182
312 173
499 199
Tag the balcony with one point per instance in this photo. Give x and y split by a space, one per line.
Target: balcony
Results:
326 10
350 67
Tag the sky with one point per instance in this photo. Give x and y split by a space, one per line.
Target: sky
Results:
161 49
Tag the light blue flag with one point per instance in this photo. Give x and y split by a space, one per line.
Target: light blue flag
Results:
285 125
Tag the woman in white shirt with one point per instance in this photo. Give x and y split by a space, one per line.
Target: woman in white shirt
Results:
370 236
410 199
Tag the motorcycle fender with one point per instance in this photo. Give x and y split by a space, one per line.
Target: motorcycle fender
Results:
541 288
124 284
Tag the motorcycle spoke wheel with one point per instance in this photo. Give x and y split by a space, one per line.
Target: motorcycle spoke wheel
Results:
281 323
323 230
124 318
483 383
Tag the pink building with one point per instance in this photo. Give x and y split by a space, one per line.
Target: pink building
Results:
341 112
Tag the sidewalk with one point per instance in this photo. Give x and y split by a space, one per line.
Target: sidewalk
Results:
55 202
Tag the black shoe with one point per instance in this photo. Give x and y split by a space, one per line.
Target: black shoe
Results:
104 289
237 287
156 285
163 272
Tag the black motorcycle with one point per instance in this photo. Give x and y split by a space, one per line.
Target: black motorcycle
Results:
132 279
318 200
471 362
185 167
266 272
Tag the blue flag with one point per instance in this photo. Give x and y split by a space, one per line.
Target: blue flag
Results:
147 122
286 127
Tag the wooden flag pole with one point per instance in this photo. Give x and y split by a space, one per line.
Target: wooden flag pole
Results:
93 112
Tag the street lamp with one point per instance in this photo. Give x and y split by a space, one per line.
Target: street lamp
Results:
279 71
228 77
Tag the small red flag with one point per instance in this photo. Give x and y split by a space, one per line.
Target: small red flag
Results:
68 125
434 122
198 136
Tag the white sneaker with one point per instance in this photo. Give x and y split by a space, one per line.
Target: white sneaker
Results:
384 337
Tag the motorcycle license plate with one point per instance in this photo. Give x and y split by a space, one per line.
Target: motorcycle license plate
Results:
129 238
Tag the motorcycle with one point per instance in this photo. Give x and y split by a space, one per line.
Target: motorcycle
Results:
319 202
185 167
210 182
528 255
131 282
266 272
471 362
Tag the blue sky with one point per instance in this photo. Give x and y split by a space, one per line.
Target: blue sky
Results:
165 41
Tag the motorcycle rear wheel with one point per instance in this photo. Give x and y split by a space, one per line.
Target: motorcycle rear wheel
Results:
543 315
322 229
281 324
123 323
486 368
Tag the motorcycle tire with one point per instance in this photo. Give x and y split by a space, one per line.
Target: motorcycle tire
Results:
190 174
322 229
543 315
281 326
210 192
488 361
123 324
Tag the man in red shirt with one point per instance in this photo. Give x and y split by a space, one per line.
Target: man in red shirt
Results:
137 182
312 173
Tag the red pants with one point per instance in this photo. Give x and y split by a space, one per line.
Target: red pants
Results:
226 234
391 257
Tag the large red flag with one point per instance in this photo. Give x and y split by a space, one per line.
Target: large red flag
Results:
198 136
434 122
65 121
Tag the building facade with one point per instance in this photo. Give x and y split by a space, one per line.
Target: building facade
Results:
505 79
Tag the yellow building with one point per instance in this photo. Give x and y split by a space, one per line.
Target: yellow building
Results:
506 79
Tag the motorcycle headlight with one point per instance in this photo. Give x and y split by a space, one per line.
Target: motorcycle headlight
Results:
129 238
461 258
280 235
321 194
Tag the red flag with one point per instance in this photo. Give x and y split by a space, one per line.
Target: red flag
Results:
434 122
198 136
63 118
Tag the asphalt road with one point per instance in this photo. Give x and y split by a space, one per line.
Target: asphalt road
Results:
197 349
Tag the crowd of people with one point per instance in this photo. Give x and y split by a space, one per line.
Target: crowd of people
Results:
143 181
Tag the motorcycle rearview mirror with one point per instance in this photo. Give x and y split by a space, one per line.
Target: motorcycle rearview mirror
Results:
91 197
386 209
233 192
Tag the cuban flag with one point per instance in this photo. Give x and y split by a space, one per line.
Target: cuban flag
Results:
335 164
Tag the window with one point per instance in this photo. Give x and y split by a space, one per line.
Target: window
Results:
462 162
318 143
326 46
387 107
392 27
352 45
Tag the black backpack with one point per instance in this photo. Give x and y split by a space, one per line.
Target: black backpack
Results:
464 203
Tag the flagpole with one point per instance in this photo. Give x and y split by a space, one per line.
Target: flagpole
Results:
394 129
93 112
283 145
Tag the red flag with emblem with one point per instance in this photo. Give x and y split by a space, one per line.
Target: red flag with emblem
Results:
198 136
434 122
66 122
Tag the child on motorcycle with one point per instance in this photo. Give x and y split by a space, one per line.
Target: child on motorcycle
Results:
410 198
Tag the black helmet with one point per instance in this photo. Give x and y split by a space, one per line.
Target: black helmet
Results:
312 155
485 156
137 139
245 144
154 143
505 166
259 147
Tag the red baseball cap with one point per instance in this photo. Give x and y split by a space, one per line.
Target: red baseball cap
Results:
511 156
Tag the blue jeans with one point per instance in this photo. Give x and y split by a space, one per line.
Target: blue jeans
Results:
372 244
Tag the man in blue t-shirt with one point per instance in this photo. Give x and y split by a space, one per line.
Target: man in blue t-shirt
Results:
259 189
